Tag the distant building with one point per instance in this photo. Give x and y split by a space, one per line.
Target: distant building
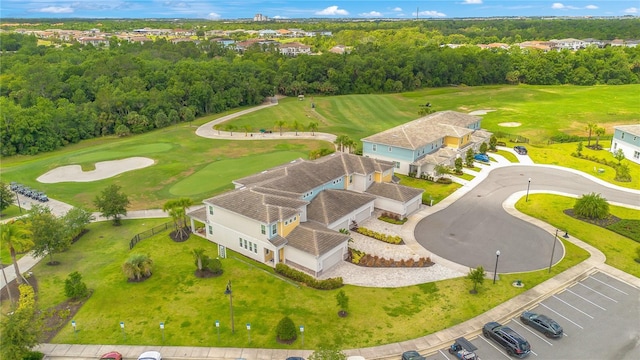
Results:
260 17
294 49
627 138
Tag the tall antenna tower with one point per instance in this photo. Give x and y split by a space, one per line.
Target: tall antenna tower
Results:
417 12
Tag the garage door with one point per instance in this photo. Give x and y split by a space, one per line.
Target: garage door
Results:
332 259
363 215
413 206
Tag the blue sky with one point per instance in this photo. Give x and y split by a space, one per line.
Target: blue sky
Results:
291 9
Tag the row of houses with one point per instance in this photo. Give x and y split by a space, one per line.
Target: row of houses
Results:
297 213
562 44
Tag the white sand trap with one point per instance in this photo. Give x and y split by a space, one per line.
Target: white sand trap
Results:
510 124
104 170
480 112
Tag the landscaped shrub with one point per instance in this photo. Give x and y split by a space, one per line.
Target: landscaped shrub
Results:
356 255
591 206
363 259
444 180
286 330
74 287
391 239
564 138
138 267
293 274
392 218
33 355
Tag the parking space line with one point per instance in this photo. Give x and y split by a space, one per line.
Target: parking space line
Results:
613 287
533 352
587 300
599 293
555 297
531 331
495 347
562 316
443 354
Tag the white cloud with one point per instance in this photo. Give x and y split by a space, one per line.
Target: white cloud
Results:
474 2
371 14
332 10
561 6
430 13
397 9
280 17
213 15
631 10
591 7
56 10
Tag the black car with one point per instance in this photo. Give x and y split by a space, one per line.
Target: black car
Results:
412 355
542 323
514 343
520 149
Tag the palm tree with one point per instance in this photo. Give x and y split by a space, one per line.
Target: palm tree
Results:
313 127
137 267
590 128
230 128
247 128
340 141
599 132
16 237
184 203
350 144
295 125
280 124
199 255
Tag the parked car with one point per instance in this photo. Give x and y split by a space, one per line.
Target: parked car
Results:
514 343
13 186
150 355
520 149
542 323
481 157
412 355
112 355
295 358
463 349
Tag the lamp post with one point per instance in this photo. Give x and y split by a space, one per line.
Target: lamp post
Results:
553 249
162 330
218 329
249 331
528 186
124 335
302 333
495 271
230 293
18 200
73 324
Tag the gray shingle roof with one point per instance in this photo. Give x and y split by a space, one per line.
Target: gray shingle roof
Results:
425 130
394 192
631 129
315 239
258 206
331 205
200 214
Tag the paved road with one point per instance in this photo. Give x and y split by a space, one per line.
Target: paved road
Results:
470 230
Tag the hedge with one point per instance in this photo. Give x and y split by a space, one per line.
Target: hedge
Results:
310 281
391 239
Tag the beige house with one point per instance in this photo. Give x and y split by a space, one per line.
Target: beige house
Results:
294 213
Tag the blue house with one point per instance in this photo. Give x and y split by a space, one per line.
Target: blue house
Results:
627 138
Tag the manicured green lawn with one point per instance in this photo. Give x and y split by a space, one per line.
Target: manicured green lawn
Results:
619 250
189 306
509 156
432 190
11 211
465 176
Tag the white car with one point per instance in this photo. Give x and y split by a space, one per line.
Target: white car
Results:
150 355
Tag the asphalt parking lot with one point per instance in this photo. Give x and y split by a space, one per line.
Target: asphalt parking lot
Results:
600 316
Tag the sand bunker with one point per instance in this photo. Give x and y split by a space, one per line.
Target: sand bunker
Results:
510 124
480 112
104 170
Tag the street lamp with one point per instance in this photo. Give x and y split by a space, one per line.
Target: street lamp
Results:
230 293
553 249
528 186
495 271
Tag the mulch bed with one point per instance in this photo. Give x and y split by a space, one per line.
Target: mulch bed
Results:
180 236
610 220
206 273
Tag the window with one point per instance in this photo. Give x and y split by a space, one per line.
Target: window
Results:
397 164
622 137
615 145
636 154
255 248
374 147
369 177
263 229
250 246
389 148
210 230
210 210
350 179
245 243
274 229
240 242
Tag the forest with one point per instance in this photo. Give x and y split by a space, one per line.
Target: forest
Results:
52 96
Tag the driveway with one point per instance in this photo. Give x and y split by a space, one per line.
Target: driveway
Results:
470 230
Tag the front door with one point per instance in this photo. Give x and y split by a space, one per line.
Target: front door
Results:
222 251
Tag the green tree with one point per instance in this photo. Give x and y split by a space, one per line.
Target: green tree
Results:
112 203
201 259
47 232
483 148
493 142
579 149
286 330
74 287
591 127
591 206
137 267
230 128
21 329
247 128
599 132
16 237
623 173
619 155
313 127
469 158
7 197
297 126
122 130
477 278
442 170
76 221
458 165
161 119
326 353
343 303
280 124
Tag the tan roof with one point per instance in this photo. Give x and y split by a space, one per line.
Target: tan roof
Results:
394 192
199 214
255 205
315 239
630 129
440 156
425 130
331 205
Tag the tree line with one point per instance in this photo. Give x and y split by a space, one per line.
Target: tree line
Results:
51 96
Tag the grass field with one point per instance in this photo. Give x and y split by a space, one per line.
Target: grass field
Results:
187 165
189 306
